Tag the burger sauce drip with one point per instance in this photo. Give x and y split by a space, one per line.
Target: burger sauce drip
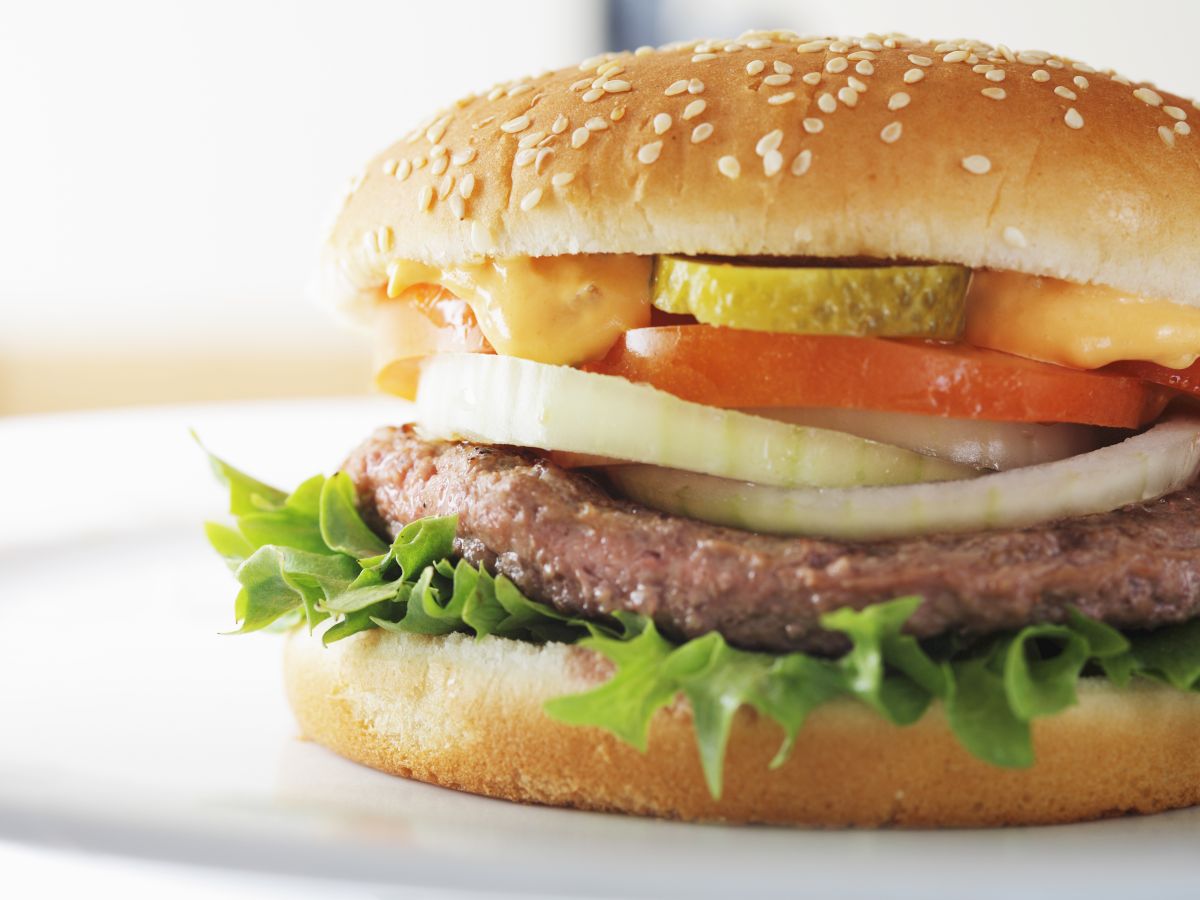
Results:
562 310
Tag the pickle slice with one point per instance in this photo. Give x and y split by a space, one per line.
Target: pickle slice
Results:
926 301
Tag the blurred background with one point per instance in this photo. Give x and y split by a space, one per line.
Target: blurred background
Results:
167 169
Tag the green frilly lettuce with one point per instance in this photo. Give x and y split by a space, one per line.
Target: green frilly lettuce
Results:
307 557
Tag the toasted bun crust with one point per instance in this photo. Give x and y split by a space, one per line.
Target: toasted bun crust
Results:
468 714
1089 177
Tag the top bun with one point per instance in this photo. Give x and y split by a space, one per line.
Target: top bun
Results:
777 145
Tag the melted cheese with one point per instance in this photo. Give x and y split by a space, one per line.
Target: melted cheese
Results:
1084 326
554 309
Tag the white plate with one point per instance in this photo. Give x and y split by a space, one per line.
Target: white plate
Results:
128 724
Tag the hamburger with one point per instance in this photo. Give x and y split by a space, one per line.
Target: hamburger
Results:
803 432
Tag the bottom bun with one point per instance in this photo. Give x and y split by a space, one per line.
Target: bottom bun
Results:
468 715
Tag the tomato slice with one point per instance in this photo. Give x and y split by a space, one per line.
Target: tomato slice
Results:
424 319
1186 380
730 368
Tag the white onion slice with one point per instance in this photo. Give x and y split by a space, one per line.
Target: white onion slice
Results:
973 442
1144 467
504 400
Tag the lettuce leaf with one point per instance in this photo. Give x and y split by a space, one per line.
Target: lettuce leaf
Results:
308 557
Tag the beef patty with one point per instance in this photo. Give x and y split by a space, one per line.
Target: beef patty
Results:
564 540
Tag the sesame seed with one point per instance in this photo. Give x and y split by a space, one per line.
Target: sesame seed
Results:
891 132
497 92
437 150
702 132
695 86
898 100
661 123
1054 63
438 166
729 166
648 153
813 125
458 206
1006 53
783 68
445 186
826 103
389 167
703 57
437 130
617 86
562 179
755 66
861 54
1167 135
579 137
1175 112
912 76
1066 92
1030 59
945 46
425 198
592 95
811 77
858 85
1083 67
994 93
419 162
1148 96
977 164
919 60
837 64
870 44
848 95
778 80
532 199
802 162
1014 237
530 139
596 123
780 99
982 68
512 126
403 169
1183 128
1073 118
617 114
385 239
694 109
955 56
768 142
644 50
464 156
543 155
1080 82
1040 75
812 46
772 163
577 86
523 157
466 187
864 67
560 125
994 75
1121 79
758 44
517 89
733 48
676 87
838 47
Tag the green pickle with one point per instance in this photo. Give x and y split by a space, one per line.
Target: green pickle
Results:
927 301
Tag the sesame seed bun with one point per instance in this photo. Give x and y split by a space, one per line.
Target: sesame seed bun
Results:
782 146
468 714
